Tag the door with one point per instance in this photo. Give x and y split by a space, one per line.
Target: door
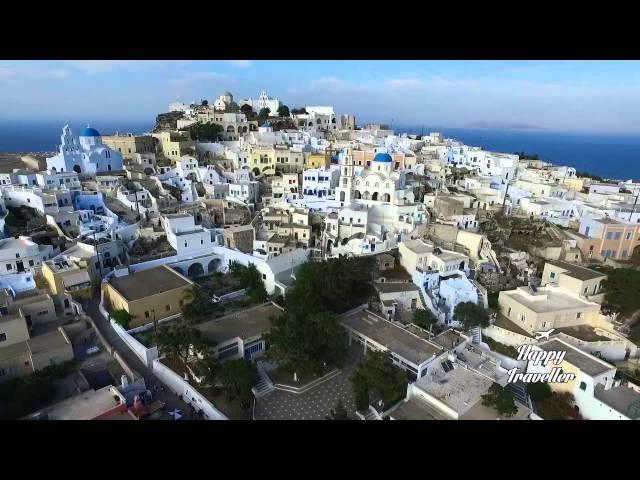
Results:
28 319
414 303
20 266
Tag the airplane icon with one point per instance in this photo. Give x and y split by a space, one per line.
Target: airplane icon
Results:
541 335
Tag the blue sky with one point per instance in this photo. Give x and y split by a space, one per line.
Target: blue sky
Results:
571 96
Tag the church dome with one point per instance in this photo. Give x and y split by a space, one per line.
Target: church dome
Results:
383 157
89 132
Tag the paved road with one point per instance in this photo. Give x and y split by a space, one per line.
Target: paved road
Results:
172 401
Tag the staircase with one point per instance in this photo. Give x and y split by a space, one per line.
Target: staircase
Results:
264 385
519 392
476 334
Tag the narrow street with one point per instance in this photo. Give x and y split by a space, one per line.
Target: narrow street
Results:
167 396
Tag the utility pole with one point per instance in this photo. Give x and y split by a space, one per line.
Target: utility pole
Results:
634 205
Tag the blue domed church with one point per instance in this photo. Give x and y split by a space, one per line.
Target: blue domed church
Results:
84 154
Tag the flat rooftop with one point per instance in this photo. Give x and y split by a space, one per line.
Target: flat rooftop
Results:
449 339
416 409
609 221
585 362
585 333
393 337
418 246
85 406
504 322
244 324
391 287
547 299
148 282
48 341
623 399
577 271
460 388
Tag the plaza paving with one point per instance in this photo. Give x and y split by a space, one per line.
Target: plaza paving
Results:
315 404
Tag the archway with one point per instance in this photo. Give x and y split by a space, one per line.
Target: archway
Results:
213 265
374 196
179 270
77 169
244 129
366 196
461 266
386 197
230 129
195 270
357 195
256 171
342 196
148 171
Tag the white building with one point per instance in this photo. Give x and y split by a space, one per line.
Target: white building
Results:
84 154
185 236
320 182
263 101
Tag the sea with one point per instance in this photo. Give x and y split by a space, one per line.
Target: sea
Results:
609 156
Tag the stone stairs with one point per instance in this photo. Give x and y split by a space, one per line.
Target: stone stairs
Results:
264 385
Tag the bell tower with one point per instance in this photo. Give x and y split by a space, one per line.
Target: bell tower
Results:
344 191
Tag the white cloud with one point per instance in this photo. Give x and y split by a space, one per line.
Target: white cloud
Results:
201 76
405 83
104 66
241 63
33 71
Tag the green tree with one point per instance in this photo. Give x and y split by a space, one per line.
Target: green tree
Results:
538 391
122 318
339 412
197 304
180 341
251 279
501 399
205 131
236 268
264 113
299 111
558 406
471 315
622 291
377 375
307 344
247 110
424 318
237 378
283 111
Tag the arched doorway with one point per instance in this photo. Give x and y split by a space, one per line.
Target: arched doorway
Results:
357 195
256 171
342 196
366 196
213 265
374 196
195 270
386 197
179 270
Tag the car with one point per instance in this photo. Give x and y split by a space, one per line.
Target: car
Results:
93 350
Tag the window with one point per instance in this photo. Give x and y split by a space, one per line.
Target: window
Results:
578 315
617 236
509 312
167 307
544 325
628 237
552 275
43 312
181 302
522 318
146 314
585 290
3 337
624 253
609 235
583 386
9 266
264 276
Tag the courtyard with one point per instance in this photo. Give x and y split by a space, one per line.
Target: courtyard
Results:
316 403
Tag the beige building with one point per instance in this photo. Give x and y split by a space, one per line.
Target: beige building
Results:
579 280
239 238
289 159
175 144
66 276
130 144
317 160
262 159
543 308
150 294
421 255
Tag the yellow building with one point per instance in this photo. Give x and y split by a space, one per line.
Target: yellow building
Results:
129 144
573 183
174 145
262 159
65 276
582 281
317 160
546 307
150 294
